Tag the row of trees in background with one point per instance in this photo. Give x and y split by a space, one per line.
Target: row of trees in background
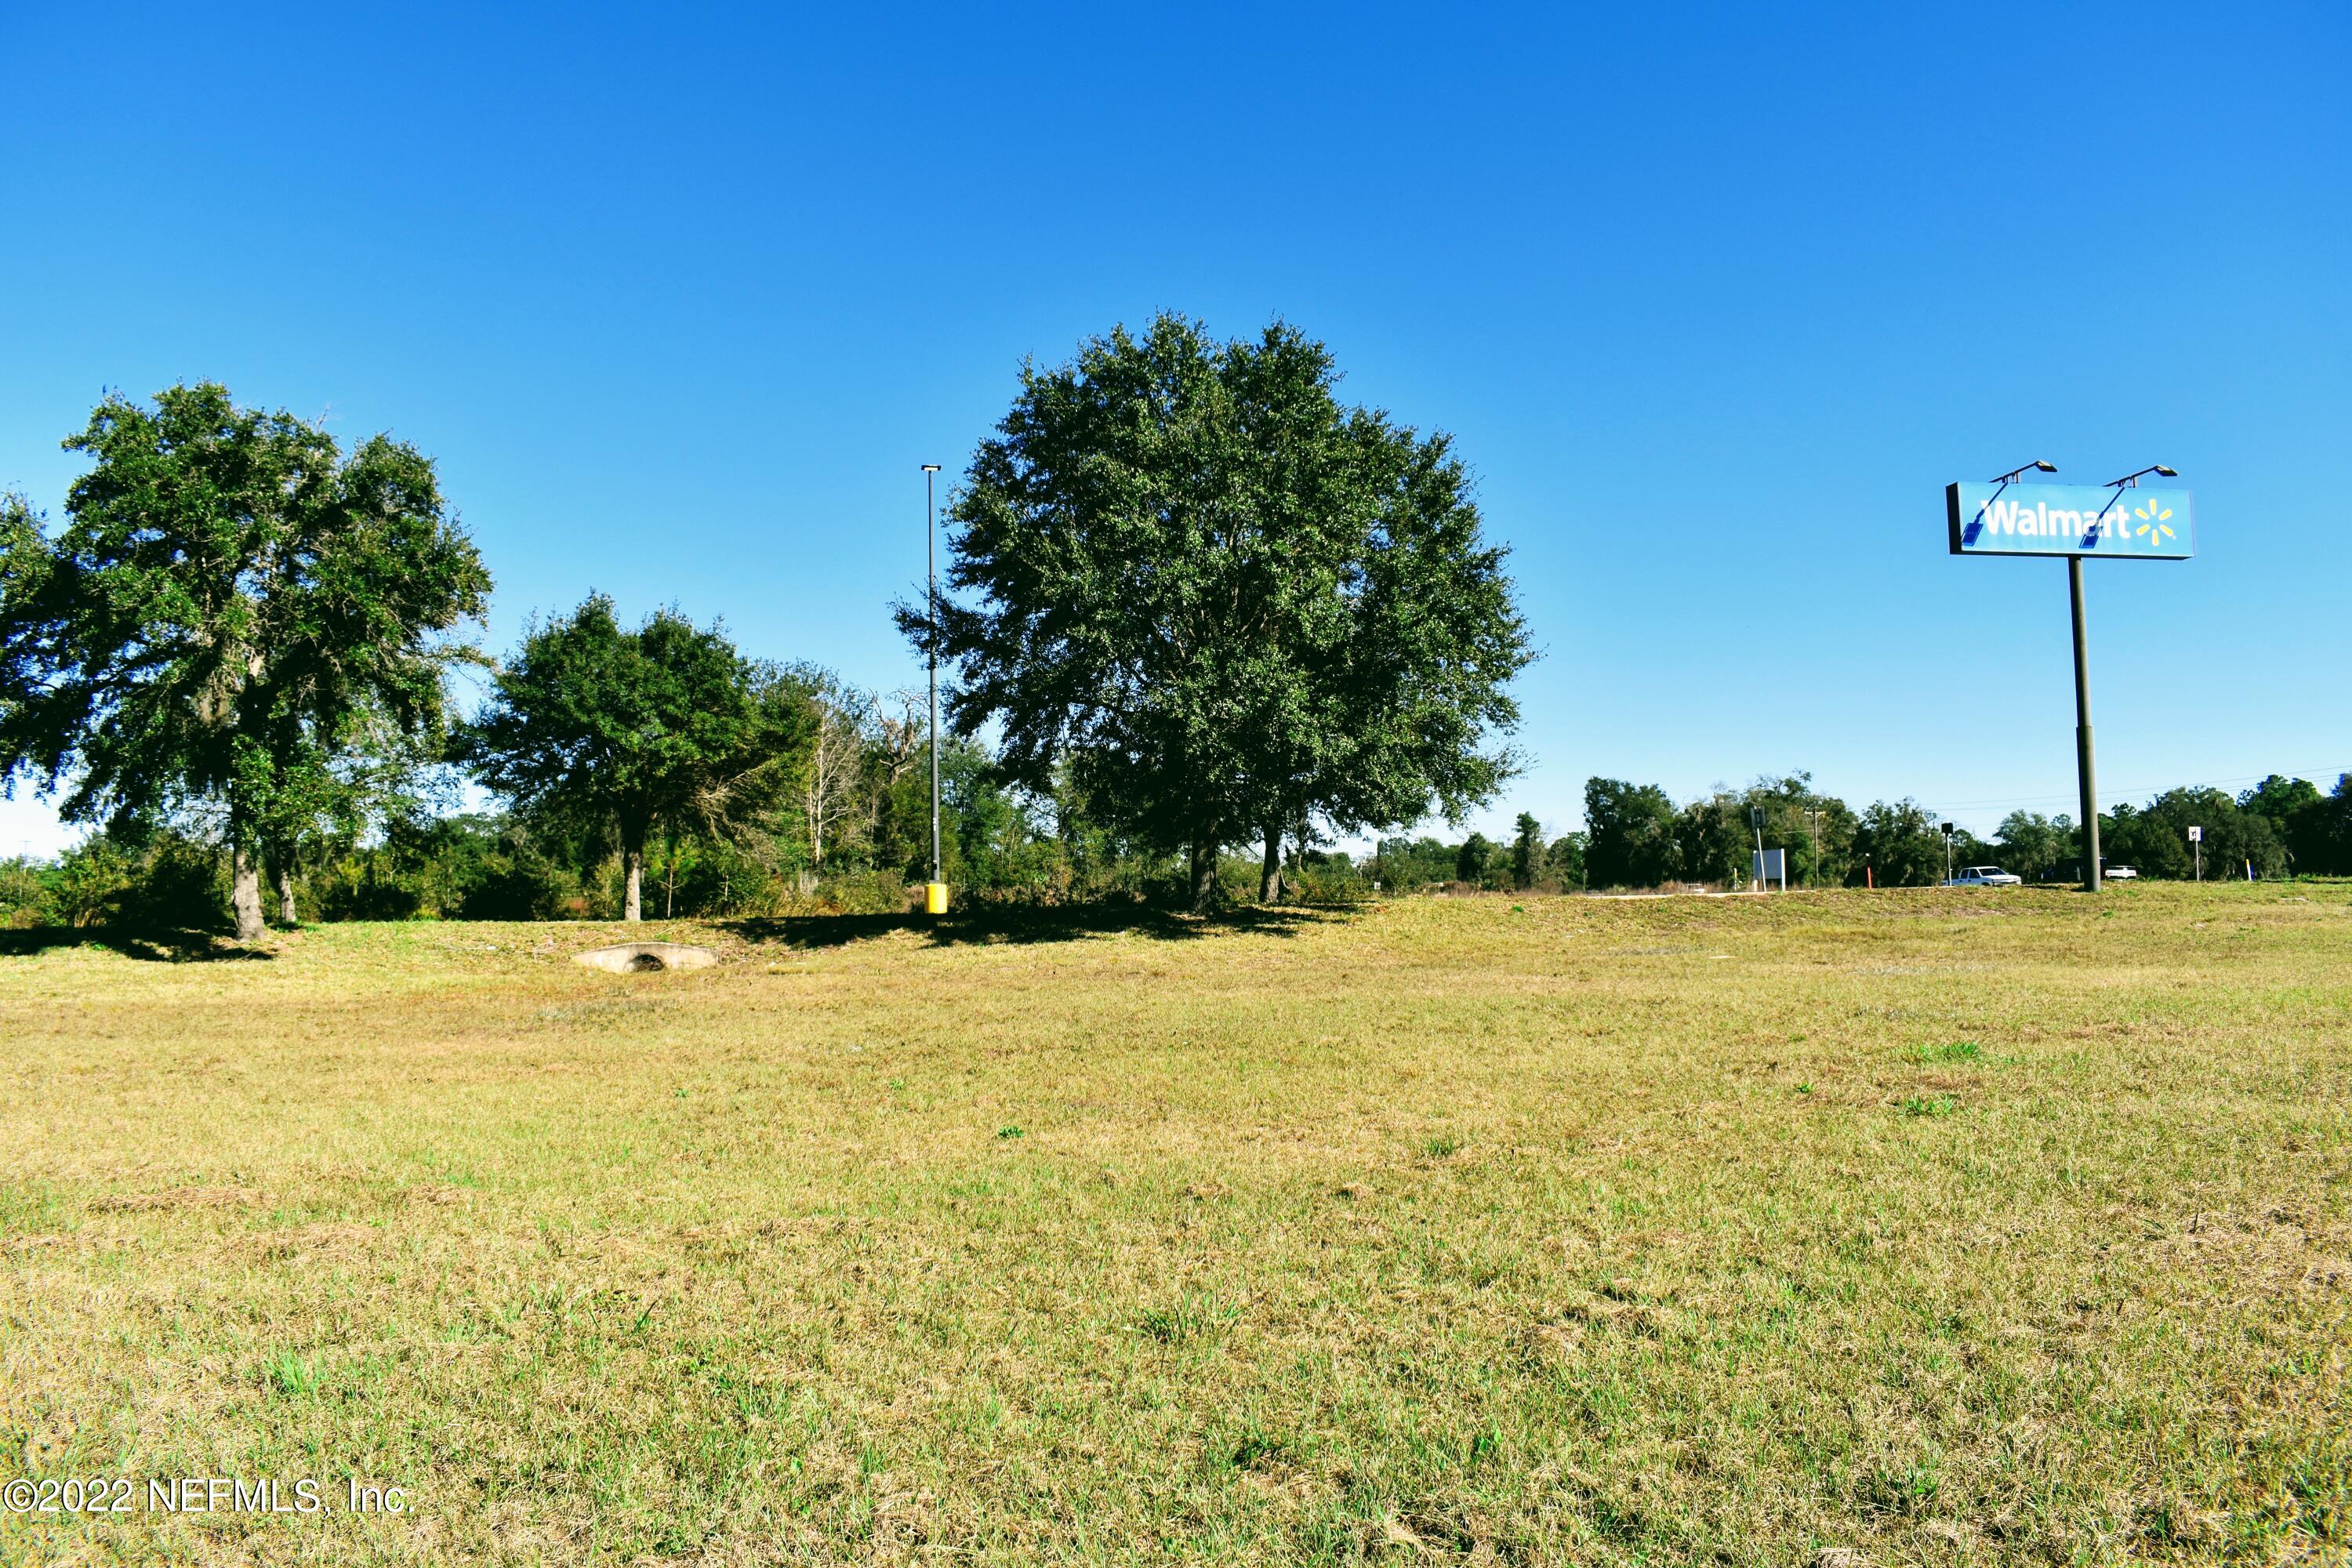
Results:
861 840
1213 607
1636 836
1208 606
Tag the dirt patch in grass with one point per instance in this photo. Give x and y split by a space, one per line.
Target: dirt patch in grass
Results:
176 1198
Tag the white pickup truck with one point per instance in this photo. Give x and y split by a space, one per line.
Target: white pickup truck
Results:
1984 877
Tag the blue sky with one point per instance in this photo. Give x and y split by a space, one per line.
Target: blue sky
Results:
1715 301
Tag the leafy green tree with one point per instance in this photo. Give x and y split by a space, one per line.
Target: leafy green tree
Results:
1816 829
2298 814
2154 839
1473 859
1631 835
1713 841
1401 865
1431 640
2330 846
1214 603
1565 860
1899 845
631 732
2033 846
23 891
994 839
2339 828
1527 852
2280 798
233 609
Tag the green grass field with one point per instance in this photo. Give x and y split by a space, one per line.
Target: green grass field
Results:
1955 1227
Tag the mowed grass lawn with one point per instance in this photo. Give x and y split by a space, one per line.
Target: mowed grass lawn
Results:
1952 1227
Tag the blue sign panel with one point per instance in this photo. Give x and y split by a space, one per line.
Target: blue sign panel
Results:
2070 519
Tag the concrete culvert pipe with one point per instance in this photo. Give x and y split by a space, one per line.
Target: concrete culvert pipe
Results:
646 957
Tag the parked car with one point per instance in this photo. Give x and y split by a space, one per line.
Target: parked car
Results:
2115 873
1987 876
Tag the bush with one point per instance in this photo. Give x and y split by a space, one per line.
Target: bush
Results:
160 881
178 883
1329 880
21 891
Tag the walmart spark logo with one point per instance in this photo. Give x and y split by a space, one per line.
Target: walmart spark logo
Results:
2154 523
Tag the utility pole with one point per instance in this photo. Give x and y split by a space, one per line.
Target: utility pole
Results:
935 897
1813 817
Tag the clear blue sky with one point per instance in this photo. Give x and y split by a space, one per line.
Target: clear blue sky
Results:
1716 302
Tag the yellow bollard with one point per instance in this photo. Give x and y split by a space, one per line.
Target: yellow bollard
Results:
935 898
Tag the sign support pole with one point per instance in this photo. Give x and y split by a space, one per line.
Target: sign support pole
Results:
2062 519
2085 766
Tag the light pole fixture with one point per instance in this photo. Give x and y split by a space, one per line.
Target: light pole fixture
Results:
2039 464
935 892
2131 482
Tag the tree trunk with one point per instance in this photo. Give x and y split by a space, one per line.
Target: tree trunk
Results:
632 860
1205 871
286 915
816 811
245 891
1269 877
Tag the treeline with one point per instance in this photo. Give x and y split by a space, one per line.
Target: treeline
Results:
776 790
1196 602
1636 836
852 836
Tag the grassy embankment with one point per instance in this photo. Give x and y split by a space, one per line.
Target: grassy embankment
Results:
1960 1227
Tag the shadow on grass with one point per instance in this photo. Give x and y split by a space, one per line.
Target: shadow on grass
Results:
986 924
150 945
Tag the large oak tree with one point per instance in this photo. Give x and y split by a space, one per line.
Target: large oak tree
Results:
233 610
1216 602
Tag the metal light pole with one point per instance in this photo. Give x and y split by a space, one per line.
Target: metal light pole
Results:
935 896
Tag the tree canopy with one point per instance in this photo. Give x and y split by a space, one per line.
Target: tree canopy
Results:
1899 845
1214 603
2154 839
233 608
631 731
1630 834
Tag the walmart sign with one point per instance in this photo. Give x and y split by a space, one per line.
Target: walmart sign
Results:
2070 519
